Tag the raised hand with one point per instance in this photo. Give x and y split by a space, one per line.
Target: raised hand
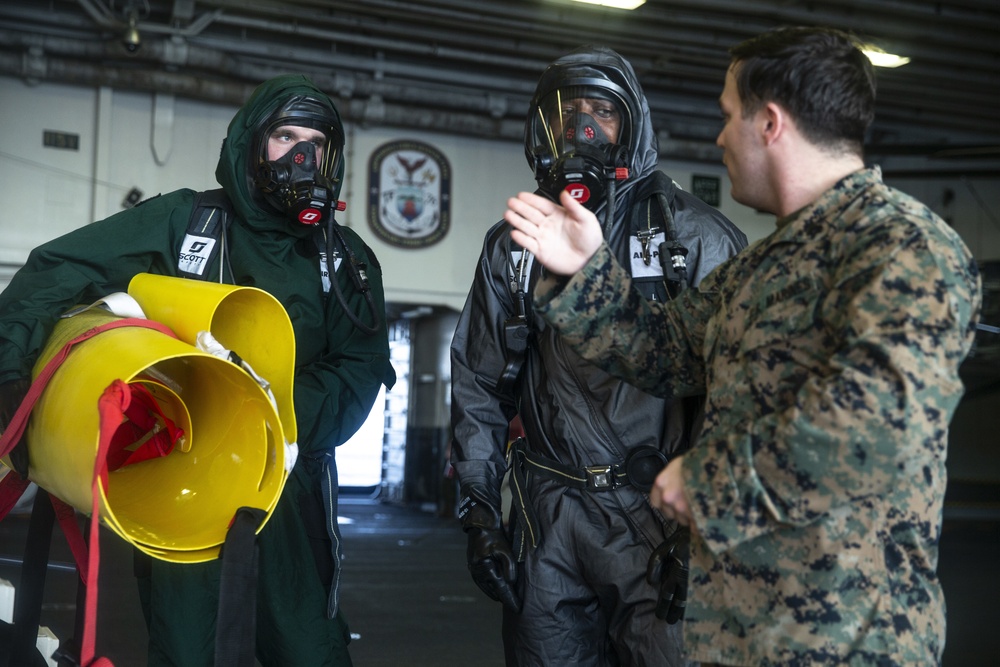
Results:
563 238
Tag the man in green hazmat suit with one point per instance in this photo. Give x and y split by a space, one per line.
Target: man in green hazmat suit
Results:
281 169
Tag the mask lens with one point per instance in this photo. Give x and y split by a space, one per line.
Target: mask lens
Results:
574 115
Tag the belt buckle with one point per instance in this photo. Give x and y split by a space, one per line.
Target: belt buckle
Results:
600 478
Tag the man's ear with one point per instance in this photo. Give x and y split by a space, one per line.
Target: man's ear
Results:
774 122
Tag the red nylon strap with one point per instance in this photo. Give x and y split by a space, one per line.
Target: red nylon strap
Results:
66 516
18 423
144 423
12 487
111 406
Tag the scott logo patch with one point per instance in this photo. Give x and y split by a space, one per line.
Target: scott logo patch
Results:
194 254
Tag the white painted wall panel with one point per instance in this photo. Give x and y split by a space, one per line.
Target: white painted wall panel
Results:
46 192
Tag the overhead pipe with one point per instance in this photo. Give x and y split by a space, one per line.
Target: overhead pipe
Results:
105 18
900 18
689 141
660 29
726 23
948 61
234 94
355 110
182 54
666 103
39 67
352 110
178 52
345 84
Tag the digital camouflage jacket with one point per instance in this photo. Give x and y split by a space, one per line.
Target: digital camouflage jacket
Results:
829 352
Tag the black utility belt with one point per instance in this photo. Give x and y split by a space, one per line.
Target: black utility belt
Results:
640 469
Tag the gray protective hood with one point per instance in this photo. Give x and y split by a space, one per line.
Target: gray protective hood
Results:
592 65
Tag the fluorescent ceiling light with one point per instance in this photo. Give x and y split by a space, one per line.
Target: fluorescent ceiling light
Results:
617 4
880 58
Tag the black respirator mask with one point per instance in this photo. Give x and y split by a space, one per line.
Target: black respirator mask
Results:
301 183
565 136
294 185
587 159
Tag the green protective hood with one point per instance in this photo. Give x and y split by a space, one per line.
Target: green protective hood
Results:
234 171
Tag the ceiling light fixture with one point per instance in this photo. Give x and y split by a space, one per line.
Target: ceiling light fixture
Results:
131 39
880 58
617 4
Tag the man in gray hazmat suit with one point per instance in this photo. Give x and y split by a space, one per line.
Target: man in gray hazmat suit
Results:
571 571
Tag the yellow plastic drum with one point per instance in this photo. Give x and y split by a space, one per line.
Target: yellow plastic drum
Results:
246 320
178 507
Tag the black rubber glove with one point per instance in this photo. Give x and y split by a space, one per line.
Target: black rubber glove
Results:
491 561
11 395
668 571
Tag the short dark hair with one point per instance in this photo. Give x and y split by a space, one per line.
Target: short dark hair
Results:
819 75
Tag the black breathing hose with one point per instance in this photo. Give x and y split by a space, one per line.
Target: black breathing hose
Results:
356 270
672 247
609 208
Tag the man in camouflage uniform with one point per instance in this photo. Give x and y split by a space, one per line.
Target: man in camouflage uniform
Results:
829 352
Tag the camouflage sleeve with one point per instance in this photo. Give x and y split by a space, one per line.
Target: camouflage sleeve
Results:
655 346
870 413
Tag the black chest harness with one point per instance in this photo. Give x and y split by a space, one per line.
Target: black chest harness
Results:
205 239
641 464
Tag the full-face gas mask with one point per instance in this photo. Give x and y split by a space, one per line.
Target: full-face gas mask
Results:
579 137
305 181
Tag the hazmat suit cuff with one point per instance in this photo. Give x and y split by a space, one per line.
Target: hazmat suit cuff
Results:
483 492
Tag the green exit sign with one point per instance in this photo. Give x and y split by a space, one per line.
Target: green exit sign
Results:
706 188
63 140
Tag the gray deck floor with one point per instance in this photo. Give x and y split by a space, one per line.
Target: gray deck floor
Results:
409 599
